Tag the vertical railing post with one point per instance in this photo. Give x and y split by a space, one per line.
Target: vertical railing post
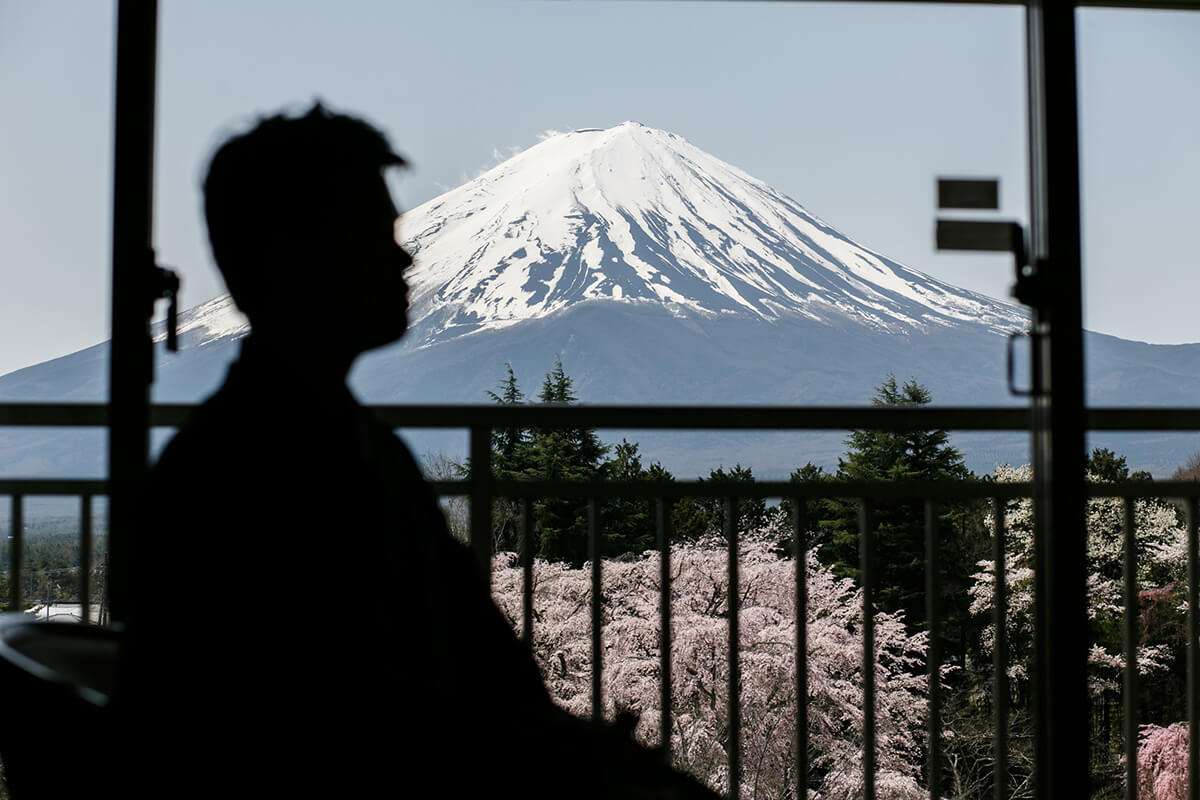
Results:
735 667
16 555
800 556
933 612
666 686
595 554
1193 657
1000 649
482 488
1129 635
866 548
85 557
526 548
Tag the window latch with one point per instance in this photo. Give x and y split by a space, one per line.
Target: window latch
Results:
164 285
1003 236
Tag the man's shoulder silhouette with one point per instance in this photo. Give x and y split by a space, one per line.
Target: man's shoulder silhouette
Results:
333 638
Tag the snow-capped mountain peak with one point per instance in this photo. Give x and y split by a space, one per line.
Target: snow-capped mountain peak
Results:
631 214
634 214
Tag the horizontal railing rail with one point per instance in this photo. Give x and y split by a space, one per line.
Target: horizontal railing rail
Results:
983 418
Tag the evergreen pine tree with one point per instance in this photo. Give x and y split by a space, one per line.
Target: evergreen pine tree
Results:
629 522
512 455
694 517
899 541
571 454
510 446
816 509
627 525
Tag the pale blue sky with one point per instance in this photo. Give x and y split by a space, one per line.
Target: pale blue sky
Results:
852 110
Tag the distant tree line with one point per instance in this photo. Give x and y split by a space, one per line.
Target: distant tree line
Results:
50 565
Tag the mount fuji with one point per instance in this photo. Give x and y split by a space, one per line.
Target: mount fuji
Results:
658 274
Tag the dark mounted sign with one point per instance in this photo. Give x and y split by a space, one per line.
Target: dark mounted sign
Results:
976 193
961 234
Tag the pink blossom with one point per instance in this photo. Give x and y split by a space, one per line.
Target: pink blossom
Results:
699 665
1163 762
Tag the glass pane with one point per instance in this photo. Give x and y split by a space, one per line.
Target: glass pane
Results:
1139 121
851 112
55 218
55 202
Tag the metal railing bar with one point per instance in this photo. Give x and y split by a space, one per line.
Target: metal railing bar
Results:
53 486
1193 668
85 557
893 490
662 524
596 556
763 418
879 490
981 418
1136 489
867 565
173 415
800 557
526 547
16 553
1142 419
54 415
1000 650
735 667
481 494
1129 634
674 490
933 612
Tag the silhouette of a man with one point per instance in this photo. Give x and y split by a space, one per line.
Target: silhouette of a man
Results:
332 640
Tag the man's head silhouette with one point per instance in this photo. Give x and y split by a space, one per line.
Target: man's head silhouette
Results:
300 220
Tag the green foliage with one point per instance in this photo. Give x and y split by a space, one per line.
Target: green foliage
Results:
694 517
509 445
899 539
629 523
1105 465
50 564
570 454
814 510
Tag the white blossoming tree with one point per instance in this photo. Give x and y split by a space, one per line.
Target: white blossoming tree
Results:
700 666
1159 557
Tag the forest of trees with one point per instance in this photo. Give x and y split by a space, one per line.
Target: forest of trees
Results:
965 578
50 564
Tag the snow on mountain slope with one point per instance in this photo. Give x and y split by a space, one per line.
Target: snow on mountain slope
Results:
634 214
207 322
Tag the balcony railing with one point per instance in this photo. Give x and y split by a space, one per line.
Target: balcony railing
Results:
481 489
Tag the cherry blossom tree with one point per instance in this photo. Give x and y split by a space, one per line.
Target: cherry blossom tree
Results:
699 664
1160 548
1163 762
1160 560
